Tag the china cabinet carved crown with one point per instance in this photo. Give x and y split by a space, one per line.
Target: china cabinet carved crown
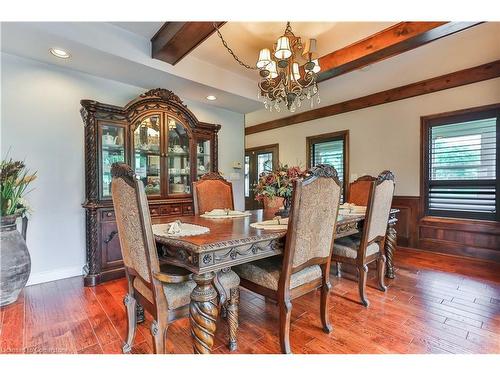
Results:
167 147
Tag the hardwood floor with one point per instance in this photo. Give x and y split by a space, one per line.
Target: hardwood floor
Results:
437 304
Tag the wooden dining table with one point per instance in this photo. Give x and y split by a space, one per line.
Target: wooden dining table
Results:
230 242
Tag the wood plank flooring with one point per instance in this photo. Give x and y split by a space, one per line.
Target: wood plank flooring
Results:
437 304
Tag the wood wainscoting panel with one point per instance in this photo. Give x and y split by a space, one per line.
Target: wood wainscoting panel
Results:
472 238
407 225
463 237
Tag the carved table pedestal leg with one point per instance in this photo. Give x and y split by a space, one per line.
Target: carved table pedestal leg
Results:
390 247
232 318
203 312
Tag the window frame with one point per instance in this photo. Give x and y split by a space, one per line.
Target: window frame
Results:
464 115
328 137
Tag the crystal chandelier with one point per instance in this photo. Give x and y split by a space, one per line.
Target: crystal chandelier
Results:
284 80
288 73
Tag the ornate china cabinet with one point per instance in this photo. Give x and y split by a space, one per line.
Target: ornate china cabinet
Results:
161 139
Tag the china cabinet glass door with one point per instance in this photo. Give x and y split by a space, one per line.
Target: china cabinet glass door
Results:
203 157
112 151
146 153
179 175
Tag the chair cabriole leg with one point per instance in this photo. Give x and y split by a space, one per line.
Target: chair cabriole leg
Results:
381 262
363 273
285 318
130 304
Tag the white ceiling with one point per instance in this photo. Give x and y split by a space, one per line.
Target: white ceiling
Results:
145 29
106 50
121 51
246 39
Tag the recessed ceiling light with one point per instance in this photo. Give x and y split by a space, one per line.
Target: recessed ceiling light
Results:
211 97
58 52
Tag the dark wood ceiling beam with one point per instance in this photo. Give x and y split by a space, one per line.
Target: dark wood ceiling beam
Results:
176 40
392 41
447 81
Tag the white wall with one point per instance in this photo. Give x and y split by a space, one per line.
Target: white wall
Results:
381 137
40 122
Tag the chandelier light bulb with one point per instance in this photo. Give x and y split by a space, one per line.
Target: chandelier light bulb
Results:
273 71
316 68
283 50
296 71
311 47
264 58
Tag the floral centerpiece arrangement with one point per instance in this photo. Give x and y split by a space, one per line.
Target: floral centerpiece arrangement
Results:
14 180
278 184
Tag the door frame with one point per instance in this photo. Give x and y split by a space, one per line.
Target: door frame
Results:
275 150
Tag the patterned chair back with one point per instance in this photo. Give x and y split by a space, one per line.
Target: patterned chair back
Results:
359 190
212 192
313 215
379 207
134 223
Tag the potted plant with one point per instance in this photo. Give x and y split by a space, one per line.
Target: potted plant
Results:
15 262
275 188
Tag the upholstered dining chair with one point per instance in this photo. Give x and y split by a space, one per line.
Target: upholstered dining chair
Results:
359 190
212 191
163 290
361 250
305 263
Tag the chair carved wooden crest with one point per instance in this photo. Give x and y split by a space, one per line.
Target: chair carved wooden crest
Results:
212 191
359 190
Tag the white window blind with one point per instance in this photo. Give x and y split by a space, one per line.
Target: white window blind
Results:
329 152
462 169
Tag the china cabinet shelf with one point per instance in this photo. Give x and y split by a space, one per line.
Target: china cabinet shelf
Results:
144 135
144 152
113 148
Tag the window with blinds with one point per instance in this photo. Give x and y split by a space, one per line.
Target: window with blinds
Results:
329 149
463 166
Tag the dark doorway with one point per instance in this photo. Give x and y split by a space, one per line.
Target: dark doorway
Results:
258 160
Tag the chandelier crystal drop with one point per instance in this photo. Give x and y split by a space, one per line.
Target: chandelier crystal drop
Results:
288 74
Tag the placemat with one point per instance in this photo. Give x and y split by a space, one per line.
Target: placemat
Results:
274 224
228 215
186 229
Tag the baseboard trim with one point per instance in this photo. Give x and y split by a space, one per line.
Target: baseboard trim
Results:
451 255
58 274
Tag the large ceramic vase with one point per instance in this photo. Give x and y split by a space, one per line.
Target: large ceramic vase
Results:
15 262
